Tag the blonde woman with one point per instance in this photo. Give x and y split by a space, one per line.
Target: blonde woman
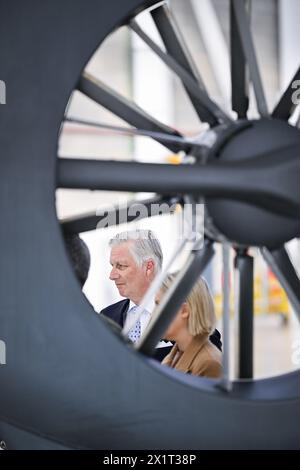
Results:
190 329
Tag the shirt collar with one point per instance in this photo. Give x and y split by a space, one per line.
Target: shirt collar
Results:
150 309
131 305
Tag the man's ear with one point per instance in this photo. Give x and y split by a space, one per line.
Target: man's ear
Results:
150 267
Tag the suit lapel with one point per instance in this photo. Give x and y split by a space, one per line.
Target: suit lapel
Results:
123 312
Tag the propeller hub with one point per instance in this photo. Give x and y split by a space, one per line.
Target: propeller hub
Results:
242 223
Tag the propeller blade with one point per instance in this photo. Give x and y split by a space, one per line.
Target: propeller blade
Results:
282 266
176 48
243 28
269 181
182 142
239 76
122 107
195 265
112 216
286 105
190 83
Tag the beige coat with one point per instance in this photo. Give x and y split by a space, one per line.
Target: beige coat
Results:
200 358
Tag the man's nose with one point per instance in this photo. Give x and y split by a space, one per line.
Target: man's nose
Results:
113 274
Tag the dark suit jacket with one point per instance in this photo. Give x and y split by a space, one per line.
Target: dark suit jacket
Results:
118 312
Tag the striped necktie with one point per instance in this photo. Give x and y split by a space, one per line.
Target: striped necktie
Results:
135 332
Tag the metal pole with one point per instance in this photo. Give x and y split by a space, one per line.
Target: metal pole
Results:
244 267
226 383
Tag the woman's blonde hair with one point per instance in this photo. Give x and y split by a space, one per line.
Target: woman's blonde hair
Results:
202 318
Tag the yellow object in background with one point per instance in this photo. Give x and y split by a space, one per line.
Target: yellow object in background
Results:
269 297
174 158
278 301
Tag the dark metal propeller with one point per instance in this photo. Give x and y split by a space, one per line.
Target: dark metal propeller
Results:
69 382
249 171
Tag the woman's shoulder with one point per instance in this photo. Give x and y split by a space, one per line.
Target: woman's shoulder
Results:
211 351
209 361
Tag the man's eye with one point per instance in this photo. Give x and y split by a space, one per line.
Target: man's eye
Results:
121 266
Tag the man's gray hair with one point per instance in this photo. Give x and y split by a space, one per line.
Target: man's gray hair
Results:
145 246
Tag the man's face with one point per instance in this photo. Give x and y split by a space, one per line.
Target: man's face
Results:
131 279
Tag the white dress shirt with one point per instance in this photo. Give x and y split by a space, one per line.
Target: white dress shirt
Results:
145 318
132 315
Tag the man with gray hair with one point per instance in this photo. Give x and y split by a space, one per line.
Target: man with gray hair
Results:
136 257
